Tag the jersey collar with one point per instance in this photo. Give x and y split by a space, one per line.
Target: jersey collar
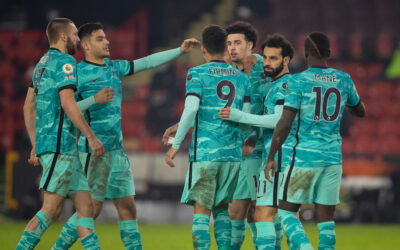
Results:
55 49
280 77
97 64
218 61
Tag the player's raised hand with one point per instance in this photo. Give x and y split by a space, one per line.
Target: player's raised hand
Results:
224 113
105 95
170 155
271 165
169 132
96 146
33 159
189 44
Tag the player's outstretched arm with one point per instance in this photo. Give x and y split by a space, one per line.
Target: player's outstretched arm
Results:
72 110
358 110
281 132
158 59
262 121
187 119
30 123
103 96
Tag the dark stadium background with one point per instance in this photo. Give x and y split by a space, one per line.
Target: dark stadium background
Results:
364 41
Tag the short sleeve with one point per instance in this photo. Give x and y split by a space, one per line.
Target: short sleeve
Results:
353 97
123 67
293 95
66 76
193 84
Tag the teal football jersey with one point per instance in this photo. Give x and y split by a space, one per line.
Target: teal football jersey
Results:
104 119
276 96
55 132
320 96
218 85
259 87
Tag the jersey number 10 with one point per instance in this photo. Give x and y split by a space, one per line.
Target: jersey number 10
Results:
328 92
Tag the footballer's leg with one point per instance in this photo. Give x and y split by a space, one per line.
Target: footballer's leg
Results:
222 226
85 227
327 197
127 222
121 190
96 175
51 210
238 210
201 227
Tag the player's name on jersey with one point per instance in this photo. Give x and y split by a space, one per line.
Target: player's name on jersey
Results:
223 71
325 78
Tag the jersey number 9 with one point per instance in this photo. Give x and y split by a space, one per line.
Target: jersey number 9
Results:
226 97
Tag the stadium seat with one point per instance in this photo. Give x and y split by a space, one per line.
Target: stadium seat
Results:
365 145
374 70
141 93
389 128
30 36
390 145
363 128
7 71
381 90
150 144
6 38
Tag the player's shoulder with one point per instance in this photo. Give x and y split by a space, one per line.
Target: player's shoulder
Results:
65 58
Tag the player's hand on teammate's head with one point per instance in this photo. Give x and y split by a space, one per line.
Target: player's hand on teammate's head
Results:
105 95
170 155
169 132
96 146
271 165
224 113
33 159
189 44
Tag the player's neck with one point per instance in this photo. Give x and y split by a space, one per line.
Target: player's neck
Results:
94 59
313 62
216 57
60 47
283 72
238 65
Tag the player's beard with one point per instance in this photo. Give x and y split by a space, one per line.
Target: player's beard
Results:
71 47
274 72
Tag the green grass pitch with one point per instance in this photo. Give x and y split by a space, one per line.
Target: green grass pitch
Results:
176 237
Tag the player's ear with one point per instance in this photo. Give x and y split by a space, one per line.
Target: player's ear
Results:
250 46
84 44
286 60
203 50
63 36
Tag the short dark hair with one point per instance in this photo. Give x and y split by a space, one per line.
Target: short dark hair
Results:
279 41
317 45
240 27
56 26
214 39
87 29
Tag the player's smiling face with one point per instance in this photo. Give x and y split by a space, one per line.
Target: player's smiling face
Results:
238 47
99 45
273 61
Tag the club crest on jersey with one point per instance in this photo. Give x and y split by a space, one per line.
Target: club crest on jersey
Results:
285 86
67 68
